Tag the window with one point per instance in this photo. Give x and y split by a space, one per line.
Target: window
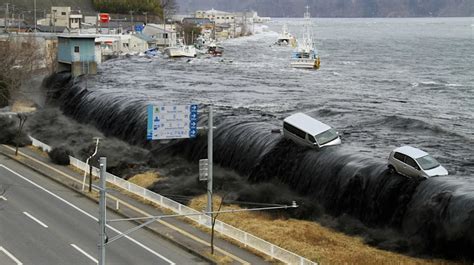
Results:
411 162
165 35
76 48
292 129
399 156
311 139
63 13
327 136
427 162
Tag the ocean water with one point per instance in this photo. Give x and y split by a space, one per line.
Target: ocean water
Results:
383 83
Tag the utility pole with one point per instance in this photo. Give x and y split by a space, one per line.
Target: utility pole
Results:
13 15
102 211
209 157
131 19
6 18
35 13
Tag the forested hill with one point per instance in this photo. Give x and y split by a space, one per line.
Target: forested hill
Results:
41 5
339 8
152 7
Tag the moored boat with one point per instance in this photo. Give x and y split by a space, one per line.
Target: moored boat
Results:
306 55
285 38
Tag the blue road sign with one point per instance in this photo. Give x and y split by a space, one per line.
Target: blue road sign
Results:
172 121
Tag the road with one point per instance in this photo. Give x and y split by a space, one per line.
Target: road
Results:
42 222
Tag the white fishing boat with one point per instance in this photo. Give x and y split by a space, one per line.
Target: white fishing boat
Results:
285 38
181 50
306 54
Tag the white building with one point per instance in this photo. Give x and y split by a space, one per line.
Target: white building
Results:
222 17
62 16
121 44
219 17
164 35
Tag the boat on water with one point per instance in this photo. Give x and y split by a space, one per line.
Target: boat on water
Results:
306 54
181 50
208 46
285 37
214 49
152 52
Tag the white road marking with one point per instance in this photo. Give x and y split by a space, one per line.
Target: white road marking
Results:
35 219
85 253
10 255
3 198
90 216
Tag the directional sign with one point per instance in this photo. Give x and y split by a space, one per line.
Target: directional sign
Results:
172 122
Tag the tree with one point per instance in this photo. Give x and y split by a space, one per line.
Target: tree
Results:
168 7
19 58
22 119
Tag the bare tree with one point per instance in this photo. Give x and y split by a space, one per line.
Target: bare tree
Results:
22 119
213 223
19 58
168 7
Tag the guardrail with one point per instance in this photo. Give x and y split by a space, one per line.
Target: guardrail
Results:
243 237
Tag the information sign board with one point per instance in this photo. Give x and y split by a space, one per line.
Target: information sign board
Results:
172 121
203 169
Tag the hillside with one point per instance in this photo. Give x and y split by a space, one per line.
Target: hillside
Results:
340 8
25 5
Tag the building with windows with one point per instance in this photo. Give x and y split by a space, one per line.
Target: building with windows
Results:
163 35
219 17
62 17
77 54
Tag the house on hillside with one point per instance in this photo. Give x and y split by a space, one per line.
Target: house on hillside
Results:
62 17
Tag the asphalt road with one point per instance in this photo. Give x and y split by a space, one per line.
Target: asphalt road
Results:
42 222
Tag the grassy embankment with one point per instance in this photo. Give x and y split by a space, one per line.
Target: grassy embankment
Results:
308 239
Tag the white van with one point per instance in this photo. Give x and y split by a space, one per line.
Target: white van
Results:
307 131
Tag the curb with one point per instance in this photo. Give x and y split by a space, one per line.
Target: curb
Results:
163 236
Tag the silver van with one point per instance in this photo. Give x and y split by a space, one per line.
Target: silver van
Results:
307 131
413 162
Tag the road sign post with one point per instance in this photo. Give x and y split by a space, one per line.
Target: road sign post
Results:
102 211
210 137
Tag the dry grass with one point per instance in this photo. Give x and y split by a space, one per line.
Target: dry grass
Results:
146 179
38 150
311 240
23 105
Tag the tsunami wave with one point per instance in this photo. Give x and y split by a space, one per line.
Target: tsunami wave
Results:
435 216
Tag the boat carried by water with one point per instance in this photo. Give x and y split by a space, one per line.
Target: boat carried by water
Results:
215 49
181 50
285 38
306 54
